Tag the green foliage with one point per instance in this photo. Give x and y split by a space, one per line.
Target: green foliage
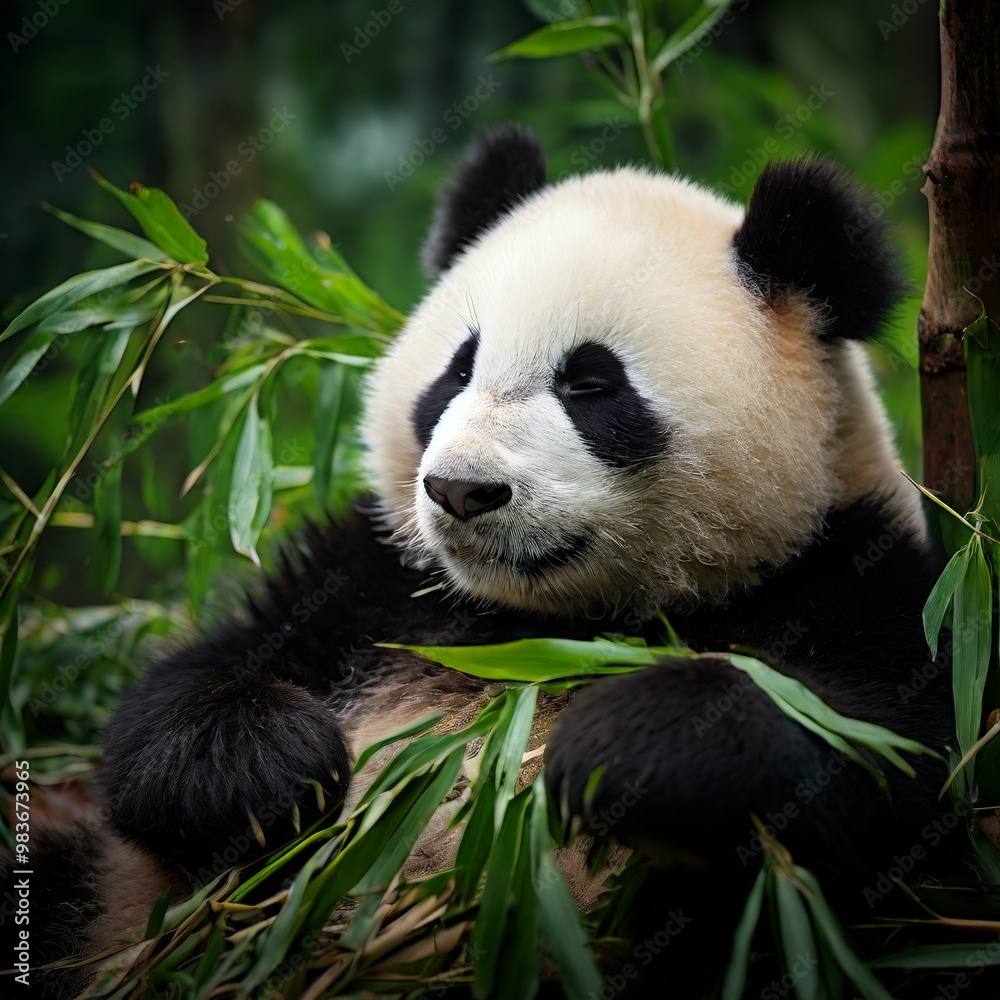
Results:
123 312
814 948
632 54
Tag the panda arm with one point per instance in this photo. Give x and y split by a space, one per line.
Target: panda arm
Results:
237 738
692 748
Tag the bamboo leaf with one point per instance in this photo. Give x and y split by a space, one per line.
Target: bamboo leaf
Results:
274 245
834 739
739 958
356 349
939 956
13 723
558 918
539 660
690 33
263 475
477 836
797 939
161 221
787 690
408 832
233 414
276 941
209 530
126 310
484 943
511 750
426 750
132 246
131 306
101 357
940 597
972 637
155 416
22 362
987 854
403 733
341 872
828 925
106 547
566 38
378 877
321 354
78 287
184 910
519 972
155 922
250 489
209 961
499 762
291 477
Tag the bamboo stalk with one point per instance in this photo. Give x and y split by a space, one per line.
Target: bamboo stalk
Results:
962 190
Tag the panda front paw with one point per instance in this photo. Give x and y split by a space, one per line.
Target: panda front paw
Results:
674 773
229 770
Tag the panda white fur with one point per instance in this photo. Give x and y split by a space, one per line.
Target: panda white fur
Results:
622 395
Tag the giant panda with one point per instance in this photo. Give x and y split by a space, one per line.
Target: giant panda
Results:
622 397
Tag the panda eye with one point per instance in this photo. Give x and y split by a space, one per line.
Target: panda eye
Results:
586 387
591 372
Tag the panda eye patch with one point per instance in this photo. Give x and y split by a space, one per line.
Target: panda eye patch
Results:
618 426
434 400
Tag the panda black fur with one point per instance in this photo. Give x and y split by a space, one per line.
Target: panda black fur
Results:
622 395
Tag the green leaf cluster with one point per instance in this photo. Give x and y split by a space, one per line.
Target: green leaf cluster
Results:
121 314
814 947
631 50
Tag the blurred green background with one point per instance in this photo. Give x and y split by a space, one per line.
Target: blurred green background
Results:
324 107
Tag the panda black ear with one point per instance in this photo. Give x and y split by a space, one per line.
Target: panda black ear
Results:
501 168
811 227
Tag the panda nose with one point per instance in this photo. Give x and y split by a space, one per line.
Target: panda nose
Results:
465 500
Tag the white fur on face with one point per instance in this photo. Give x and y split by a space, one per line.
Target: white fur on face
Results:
761 415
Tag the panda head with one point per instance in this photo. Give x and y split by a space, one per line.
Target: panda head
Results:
623 391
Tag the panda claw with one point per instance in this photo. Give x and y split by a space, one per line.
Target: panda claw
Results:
320 795
258 831
296 818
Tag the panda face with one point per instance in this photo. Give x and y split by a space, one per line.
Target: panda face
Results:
592 411
524 457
